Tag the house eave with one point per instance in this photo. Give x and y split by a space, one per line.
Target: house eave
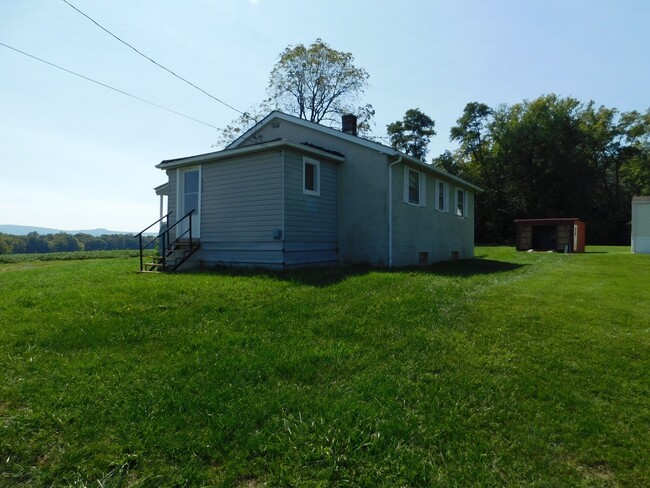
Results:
247 136
162 189
389 151
246 150
411 161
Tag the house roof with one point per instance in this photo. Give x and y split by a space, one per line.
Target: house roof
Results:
389 151
640 199
236 148
242 151
162 189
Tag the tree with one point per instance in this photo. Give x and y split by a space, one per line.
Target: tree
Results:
244 122
63 242
412 134
446 161
472 129
34 243
316 83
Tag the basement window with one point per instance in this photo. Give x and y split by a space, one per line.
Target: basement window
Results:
310 176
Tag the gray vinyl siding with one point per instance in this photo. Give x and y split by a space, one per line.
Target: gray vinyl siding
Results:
242 199
361 189
267 254
310 221
310 218
241 207
423 229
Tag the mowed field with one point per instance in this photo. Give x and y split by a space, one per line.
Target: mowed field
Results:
509 369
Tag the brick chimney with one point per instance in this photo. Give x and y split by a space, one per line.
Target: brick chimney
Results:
349 124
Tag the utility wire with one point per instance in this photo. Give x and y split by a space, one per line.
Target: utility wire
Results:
107 86
153 61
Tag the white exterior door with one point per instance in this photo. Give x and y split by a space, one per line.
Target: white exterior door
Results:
189 198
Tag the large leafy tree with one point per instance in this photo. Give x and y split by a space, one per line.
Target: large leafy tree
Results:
412 134
472 130
314 82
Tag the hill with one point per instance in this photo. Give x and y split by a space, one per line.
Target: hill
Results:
23 230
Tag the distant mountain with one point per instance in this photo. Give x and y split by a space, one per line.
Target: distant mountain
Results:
23 230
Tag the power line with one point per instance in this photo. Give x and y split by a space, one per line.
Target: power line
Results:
107 86
153 61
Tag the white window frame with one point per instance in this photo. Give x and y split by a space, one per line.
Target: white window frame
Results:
461 212
422 187
445 196
313 162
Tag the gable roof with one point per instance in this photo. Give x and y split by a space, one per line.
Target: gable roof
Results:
389 151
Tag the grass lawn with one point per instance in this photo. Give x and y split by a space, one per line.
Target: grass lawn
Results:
510 369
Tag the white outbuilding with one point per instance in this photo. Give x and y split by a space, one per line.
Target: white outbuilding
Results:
641 225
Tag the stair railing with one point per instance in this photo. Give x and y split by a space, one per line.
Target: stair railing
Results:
148 244
166 245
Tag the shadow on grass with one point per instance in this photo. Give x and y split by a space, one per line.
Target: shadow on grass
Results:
326 276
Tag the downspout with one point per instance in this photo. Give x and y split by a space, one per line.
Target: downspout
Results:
284 197
390 211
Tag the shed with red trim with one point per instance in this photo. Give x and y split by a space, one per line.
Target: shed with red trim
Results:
559 234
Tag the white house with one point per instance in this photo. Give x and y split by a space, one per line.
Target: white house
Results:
641 225
290 192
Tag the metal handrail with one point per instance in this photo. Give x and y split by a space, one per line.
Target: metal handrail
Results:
166 245
147 228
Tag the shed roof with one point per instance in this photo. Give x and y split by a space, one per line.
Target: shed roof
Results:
551 221
640 199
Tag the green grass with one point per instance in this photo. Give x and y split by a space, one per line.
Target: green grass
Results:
67 256
511 369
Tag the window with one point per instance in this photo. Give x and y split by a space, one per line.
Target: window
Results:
442 196
414 189
190 191
310 176
460 202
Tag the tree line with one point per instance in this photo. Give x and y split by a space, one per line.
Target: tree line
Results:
61 242
552 157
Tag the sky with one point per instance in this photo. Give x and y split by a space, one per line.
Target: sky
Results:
76 155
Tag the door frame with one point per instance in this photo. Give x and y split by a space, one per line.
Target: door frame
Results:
180 201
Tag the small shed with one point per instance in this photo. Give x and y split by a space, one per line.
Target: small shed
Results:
561 234
641 225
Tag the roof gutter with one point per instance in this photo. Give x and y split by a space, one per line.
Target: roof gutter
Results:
247 150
